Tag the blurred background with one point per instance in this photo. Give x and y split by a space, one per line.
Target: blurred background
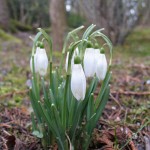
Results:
118 17
126 23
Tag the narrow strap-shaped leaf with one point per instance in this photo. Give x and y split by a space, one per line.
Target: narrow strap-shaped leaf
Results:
65 108
34 127
88 31
52 98
101 106
35 106
90 107
44 89
60 101
103 88
60 144
90 90
75 122
55 84
49 121
72 108
58 121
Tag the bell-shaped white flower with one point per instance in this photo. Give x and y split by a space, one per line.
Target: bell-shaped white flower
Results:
97 57
78 82
101 66
35 64
76 52
89 62
41 61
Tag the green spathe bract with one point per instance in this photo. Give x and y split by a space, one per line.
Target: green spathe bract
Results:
57 116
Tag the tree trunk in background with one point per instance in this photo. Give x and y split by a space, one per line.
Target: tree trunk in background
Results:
4 15
146 17
58 22
113 15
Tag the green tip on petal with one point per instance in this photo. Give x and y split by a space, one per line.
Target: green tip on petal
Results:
96 46
102 50
77 60
40 44
89 44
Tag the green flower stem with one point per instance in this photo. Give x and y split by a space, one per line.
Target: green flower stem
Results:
65 110
49 41
44 89
70 34
35 41
35 83
103 88
99 34
50 74
63 53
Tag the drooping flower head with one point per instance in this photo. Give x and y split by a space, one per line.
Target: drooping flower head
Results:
78 81
101 66
40 60
89 60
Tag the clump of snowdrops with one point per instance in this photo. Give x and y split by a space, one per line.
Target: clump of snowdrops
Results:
65 109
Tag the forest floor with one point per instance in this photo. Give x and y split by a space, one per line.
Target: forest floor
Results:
125 123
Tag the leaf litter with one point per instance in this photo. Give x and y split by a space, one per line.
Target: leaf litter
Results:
125 123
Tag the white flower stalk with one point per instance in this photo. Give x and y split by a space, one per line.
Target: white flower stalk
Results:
35 64
78 82
41 61
101 66
76 52
89 62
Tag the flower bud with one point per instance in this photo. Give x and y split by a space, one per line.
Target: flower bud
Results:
89 62
41 61
78 82
101 66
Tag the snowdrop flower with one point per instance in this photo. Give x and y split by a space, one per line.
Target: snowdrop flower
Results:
35 66
76 52
78 82
41 61
89 62
101 66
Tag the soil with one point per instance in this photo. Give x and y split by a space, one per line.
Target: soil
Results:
125 123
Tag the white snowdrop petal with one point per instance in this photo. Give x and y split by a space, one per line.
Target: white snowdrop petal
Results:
89 62
78 82
42 62
101 67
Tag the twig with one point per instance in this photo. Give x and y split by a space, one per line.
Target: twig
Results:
115 100
130 93
138 66
128 141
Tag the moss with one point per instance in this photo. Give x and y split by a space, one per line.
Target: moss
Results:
8 37
20 26
138 43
